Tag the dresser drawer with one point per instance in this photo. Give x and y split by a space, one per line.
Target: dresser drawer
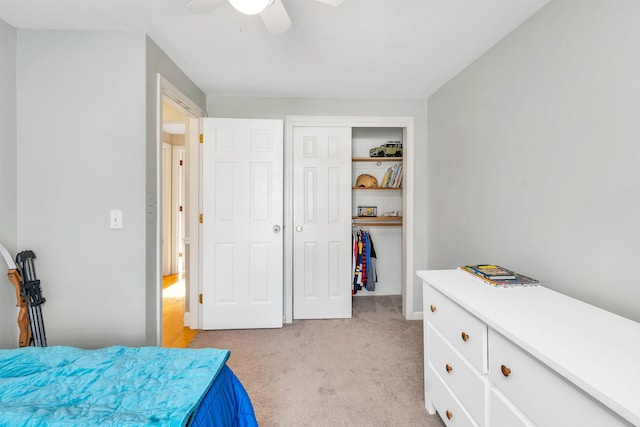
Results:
540 393
504 414
465 383
447 406
467 334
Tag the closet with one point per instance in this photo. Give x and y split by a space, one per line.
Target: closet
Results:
325 156
377 209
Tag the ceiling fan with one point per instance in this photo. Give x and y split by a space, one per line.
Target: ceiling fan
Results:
273 14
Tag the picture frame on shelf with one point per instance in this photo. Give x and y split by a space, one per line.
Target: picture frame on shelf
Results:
367 211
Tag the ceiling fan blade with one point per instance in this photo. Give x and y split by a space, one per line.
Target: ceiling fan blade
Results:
275 18
202 6
331 2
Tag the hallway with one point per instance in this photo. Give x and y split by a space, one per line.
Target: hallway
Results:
174 334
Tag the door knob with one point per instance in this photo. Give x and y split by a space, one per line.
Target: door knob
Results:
276 228
299 228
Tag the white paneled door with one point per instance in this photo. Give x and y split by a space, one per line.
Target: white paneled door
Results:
242 249
321 222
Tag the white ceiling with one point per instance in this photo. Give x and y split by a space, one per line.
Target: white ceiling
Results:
360 49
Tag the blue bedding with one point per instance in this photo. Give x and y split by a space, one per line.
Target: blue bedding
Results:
226 404
123 386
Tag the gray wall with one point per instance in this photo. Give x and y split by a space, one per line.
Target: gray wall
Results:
87 126
8 181
534 160
81 152
279 108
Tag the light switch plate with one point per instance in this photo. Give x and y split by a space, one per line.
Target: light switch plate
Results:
116 219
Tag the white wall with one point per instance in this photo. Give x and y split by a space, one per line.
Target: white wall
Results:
279 108
534 160
8 181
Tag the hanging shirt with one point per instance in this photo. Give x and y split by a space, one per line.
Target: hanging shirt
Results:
371 272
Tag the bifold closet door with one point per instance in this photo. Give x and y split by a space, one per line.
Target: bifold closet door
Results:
321 222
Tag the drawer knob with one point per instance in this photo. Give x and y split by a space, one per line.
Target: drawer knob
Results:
505 371
433 308
448 367
449 414
465 336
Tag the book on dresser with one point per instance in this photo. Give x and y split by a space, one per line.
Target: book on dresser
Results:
498 276
492 272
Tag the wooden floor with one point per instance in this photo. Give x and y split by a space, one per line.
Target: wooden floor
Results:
174 334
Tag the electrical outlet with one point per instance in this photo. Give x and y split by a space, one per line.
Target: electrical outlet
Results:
116 219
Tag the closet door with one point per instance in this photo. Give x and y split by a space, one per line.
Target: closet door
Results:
322 222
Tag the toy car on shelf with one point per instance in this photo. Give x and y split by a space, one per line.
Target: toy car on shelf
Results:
388 149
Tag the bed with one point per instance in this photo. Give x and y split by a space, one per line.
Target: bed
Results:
121 386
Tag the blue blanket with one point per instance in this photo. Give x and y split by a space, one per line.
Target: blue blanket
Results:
123 386
226 404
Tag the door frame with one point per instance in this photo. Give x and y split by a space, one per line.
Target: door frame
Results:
166 90
406 123
178 198
165 205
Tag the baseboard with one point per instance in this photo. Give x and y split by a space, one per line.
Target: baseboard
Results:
187 319
365 293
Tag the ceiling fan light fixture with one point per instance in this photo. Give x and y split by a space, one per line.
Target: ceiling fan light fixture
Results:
250 7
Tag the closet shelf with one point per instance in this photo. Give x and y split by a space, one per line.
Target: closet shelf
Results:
377 221
377 224
377 159
378 218
377 188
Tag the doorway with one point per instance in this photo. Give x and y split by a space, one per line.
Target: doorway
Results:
174 122
178 252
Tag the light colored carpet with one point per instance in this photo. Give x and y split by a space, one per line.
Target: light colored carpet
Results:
364 371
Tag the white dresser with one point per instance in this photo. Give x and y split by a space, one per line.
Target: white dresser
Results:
528 356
